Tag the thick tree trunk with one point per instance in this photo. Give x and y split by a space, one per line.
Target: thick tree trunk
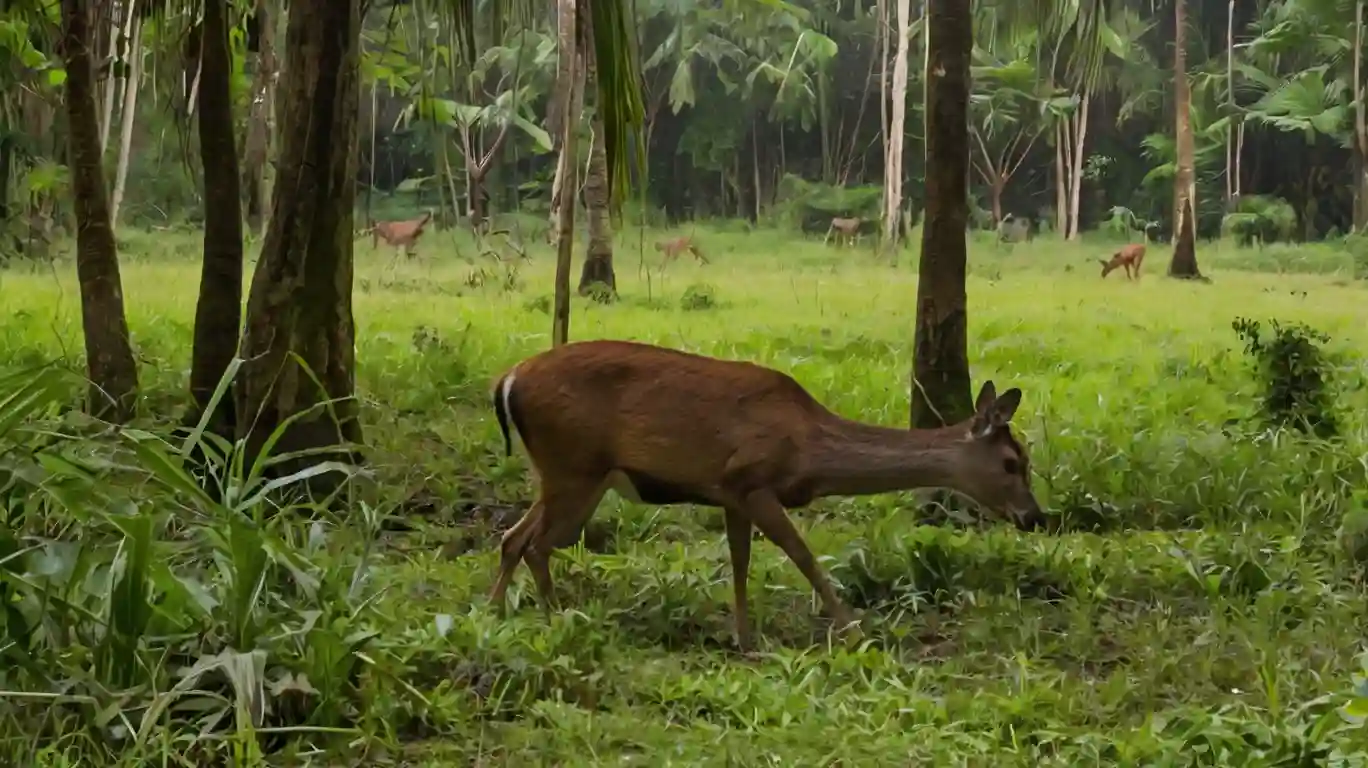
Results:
940 369
109 355
301 295
897 118
218 312
598 259
132 74
258 144
1184 263
568 82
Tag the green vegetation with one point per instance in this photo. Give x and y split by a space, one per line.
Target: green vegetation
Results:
1203 603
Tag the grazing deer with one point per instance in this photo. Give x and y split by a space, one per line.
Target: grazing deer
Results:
672 248
1130 257
666 427
847 229
400 234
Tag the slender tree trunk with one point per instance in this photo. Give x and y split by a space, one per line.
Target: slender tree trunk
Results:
109 88
598 259
218 312
258 148
1230 102
940 369
132 76
301 295
558 180
1080 135
1060 179
1184 263
111 368
1360 127
568 81
893 172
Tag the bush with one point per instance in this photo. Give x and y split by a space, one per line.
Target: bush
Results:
1295 375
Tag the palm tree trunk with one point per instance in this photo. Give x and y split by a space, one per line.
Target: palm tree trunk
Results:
132 76
567 78
259 117
300 302
218 312
1184 263
112 371
598 259
940 367
893 172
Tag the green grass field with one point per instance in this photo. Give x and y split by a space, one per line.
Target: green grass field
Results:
1201 605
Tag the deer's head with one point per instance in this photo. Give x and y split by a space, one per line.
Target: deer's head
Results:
1108 266
994 468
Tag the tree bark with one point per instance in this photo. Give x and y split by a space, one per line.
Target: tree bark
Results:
258 140
567 79
558 180
110 365
598 259
301 295
1184 262
940 369
896 129
132 74
1080 134
218 312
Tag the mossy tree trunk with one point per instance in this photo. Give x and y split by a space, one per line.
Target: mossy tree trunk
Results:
300 302
111 368
940 368
598 259
218 312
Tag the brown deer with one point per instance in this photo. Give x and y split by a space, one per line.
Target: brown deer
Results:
400 234
665 427
1130 257
672 248
847 229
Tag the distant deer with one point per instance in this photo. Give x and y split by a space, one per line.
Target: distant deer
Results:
1130 257
847 229
666 427
1014 230
672 248
400 234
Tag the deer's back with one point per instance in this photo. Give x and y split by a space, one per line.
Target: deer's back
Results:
668 413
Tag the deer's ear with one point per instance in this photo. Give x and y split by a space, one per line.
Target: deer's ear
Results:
986 396
1005 407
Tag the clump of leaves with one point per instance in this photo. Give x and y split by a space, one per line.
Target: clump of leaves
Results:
1295 374
698 297
600 293
540 304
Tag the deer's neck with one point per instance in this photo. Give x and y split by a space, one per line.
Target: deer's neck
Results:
852 459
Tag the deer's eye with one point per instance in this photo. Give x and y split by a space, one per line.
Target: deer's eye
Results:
1011 466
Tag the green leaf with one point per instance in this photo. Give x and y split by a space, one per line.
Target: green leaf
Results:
681 87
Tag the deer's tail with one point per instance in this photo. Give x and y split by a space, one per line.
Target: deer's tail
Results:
504 409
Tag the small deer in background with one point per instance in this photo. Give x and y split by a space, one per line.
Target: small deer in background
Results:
672 248
847 229
666 427
1130 257
400 234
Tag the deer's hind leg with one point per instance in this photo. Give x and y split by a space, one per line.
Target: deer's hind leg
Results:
564 505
